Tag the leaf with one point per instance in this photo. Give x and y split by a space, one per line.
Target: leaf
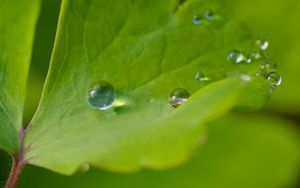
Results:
261 153
284 49
144 58
17 21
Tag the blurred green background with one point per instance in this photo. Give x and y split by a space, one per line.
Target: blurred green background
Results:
257 150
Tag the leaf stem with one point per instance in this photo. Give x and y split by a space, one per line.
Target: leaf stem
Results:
18 163
16 169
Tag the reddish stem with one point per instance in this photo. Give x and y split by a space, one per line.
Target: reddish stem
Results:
18 163
16 169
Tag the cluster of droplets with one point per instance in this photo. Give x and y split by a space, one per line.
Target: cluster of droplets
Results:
101 95
208 16
267 70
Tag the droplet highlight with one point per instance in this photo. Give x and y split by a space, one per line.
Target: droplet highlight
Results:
178 97
236 56
101 95
274 79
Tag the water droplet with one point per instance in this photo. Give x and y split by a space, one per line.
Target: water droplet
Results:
201 77
178 97
197 20
209 15
101 95
248 60
236 56
245 77
274 79
255 55
262 44
85 167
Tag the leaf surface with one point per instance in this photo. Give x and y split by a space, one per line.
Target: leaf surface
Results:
17 23
262 153
145 49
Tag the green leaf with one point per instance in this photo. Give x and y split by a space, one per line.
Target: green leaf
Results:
261 153
145 49
284 50
17 22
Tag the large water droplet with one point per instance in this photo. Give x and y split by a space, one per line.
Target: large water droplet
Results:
274 79
262 44
101 95
197 20
236 56
201 77
209 15
178 97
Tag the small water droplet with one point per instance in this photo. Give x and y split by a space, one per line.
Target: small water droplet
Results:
236 56
201 77
248 60
101 95
255 55
262 44
85 167
178 97
245 77
274 79
197 20
209 15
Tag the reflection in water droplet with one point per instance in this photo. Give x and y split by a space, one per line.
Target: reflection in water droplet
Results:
101 95
209 15
262 44
178 97
197 20
236 56
274 79
201 77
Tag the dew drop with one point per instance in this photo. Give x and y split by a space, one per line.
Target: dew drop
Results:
255 55
201 77
101 95
248 60
178 97
274 79
197 20
85 167
236 56
262 44
209 15
245 77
